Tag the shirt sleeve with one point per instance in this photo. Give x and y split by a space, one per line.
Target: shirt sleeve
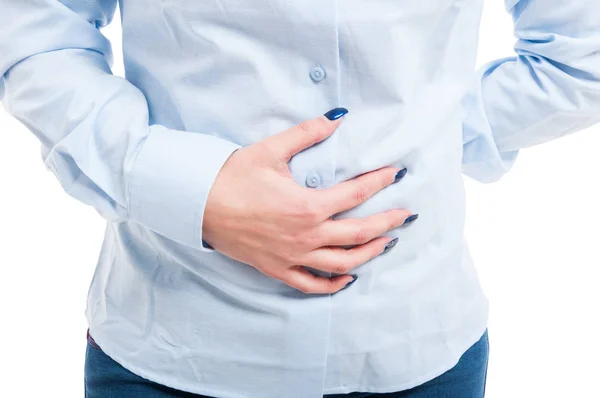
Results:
549 89
94 130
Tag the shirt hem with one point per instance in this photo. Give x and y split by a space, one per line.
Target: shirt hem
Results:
415 382
106 348
153 377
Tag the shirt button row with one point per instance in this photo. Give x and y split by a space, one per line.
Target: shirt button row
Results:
317 73
313 180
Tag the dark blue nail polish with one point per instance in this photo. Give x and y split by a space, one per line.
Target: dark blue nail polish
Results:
400 175
335 113
354 278
390 245
410 219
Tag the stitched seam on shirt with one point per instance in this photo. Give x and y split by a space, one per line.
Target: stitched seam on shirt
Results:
333 165
133 175
198 217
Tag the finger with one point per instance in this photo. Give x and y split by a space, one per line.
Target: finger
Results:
300 278
341 261
351 193
357 231
306 134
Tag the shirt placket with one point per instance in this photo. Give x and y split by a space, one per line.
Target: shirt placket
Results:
314 168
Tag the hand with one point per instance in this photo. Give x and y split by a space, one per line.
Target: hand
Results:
257 214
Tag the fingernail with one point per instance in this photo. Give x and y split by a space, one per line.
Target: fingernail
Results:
390 245
400 175
410 219
354 278
335 113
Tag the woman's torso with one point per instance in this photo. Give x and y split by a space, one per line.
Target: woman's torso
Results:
245 70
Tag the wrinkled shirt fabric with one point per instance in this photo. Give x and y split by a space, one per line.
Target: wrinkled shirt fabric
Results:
206 77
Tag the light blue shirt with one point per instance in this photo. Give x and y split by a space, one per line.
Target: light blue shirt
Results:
205 77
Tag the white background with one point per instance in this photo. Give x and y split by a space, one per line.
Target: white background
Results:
535 237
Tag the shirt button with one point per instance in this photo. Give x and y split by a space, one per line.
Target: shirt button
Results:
313 180
317 73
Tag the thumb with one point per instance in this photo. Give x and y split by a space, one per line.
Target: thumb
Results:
307 133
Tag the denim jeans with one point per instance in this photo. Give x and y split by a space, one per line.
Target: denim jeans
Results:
104 378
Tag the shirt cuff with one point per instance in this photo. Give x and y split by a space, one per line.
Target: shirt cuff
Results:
171 179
